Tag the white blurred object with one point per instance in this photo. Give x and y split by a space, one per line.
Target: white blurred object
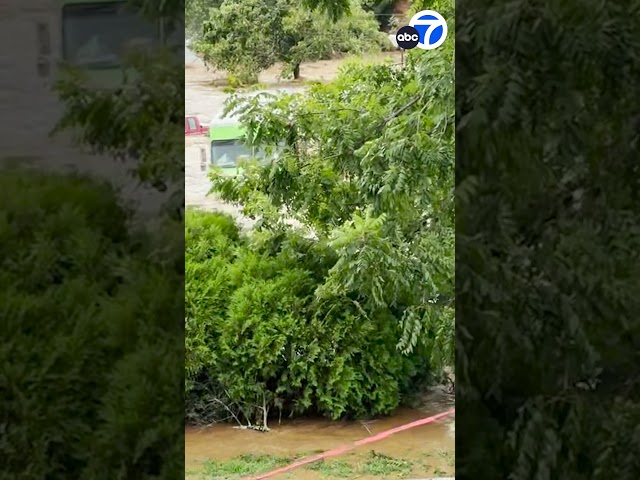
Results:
95 50
393 40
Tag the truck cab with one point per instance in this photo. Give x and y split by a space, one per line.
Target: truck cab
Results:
192 126
95 36
228 148
227 139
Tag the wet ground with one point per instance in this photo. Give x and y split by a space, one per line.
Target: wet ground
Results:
423 452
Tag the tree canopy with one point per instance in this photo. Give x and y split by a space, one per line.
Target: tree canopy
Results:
366 163
259 342
548 240
91 349
196 14
245 37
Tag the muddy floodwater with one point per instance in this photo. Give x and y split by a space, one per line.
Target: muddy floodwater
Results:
428 449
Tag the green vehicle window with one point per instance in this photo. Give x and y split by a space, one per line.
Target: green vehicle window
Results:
97 35
227 153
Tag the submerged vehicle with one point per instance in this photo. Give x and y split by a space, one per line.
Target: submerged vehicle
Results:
228 147
228 144
193 126
95 35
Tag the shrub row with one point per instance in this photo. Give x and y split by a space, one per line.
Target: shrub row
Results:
86 314
257 337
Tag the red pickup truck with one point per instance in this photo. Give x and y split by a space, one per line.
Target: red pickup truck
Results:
192 126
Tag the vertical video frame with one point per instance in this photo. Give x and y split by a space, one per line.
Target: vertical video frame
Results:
319 230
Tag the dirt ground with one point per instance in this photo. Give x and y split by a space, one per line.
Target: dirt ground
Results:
321 71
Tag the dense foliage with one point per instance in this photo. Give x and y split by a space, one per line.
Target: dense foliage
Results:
383 9
245 37
258 338
548 240
89 379
365 165
196 13
91 309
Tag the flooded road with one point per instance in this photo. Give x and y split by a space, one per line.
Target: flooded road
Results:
427 451
207 103
205 98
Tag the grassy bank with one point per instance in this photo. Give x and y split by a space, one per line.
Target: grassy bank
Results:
365 465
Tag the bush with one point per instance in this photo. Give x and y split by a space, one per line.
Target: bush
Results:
87 314
259 338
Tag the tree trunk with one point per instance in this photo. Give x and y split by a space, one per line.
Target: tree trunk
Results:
296 71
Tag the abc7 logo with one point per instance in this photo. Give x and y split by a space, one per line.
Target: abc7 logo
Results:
407 38
428 25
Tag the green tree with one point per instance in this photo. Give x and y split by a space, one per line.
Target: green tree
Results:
383 9
258 342
333 8
196 13
366 163
548 240
90 377
244 37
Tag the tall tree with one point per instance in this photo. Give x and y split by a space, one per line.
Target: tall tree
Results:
196 14
366 163
245 37
547 240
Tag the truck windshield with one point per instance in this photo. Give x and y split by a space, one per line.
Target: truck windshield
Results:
227 153
98 35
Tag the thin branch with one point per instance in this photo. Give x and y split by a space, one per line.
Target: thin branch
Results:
228 410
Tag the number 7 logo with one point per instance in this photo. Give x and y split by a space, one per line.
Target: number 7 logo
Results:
432 28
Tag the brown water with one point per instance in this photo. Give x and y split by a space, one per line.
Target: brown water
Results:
433 444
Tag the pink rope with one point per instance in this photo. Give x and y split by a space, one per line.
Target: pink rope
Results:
345 448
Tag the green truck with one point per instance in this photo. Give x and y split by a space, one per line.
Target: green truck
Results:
228 147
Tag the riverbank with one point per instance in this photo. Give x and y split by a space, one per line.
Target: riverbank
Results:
224 452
